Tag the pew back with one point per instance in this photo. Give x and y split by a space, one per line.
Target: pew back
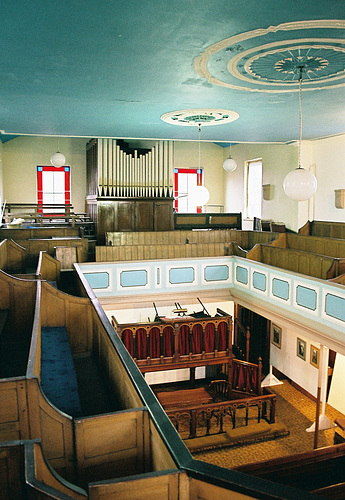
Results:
328 229
12 257
318 266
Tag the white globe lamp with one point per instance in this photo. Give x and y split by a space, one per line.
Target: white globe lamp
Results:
57 159
229 165
200 196
300 184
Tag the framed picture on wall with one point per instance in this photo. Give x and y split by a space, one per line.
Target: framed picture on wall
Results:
314 356
276 335
301 348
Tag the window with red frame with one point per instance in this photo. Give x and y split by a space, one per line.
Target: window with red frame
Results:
53 185
185 180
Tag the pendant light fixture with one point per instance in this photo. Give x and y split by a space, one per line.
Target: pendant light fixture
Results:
57 159
200 194
300 184
229 164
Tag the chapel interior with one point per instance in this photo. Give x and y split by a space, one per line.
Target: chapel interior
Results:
172 250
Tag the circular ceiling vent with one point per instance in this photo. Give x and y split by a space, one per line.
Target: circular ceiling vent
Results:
272 59
204 117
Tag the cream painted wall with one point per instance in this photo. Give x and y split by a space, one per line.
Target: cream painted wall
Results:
22 155
186 155
277 161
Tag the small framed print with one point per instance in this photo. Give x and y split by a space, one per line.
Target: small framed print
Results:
276 336
314 356
301 348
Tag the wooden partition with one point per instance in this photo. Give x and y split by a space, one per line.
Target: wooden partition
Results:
41 480
181 237
332 247
34 232
328 229
207 221
112 445
12 257
48 268
149 252
318 266
247 239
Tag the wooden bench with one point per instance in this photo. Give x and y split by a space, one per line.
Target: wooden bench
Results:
58 375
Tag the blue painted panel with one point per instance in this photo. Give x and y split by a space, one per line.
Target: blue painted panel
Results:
97 280
242 275
216 273
335 306
259 281
306 297
133 278
181 275
280 288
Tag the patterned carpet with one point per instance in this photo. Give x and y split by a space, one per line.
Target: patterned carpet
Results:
297 412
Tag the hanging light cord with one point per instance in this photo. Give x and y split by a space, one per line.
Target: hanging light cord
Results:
199 144
300 117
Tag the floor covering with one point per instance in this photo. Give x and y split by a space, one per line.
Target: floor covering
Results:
297 412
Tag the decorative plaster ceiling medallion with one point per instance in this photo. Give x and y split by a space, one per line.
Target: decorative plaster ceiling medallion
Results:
240 62
204 117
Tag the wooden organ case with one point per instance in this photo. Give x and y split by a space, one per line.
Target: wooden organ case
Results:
129 189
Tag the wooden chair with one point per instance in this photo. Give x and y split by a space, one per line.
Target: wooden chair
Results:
220 390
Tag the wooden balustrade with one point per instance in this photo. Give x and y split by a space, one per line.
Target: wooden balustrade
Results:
178 343
200 417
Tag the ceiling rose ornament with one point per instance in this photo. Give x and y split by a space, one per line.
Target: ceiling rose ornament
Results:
267 60
205 117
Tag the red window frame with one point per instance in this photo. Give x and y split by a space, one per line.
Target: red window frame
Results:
65 169
198 172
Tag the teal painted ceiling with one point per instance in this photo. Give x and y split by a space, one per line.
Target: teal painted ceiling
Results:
113 68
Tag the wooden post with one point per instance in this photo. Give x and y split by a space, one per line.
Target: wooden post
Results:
235 323
192 377
316 433
176 342
259 388
247 343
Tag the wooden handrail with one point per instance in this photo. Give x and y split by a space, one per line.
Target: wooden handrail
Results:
219 410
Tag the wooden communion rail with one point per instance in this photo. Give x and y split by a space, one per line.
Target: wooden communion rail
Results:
200 417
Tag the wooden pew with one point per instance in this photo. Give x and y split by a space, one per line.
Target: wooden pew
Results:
323 229
317 471
94 447
318 266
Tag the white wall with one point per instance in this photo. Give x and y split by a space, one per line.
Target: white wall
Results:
186 155
286 361
277 161
329 159
22 155
324 156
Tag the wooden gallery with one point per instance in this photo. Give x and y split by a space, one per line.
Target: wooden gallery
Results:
129 354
